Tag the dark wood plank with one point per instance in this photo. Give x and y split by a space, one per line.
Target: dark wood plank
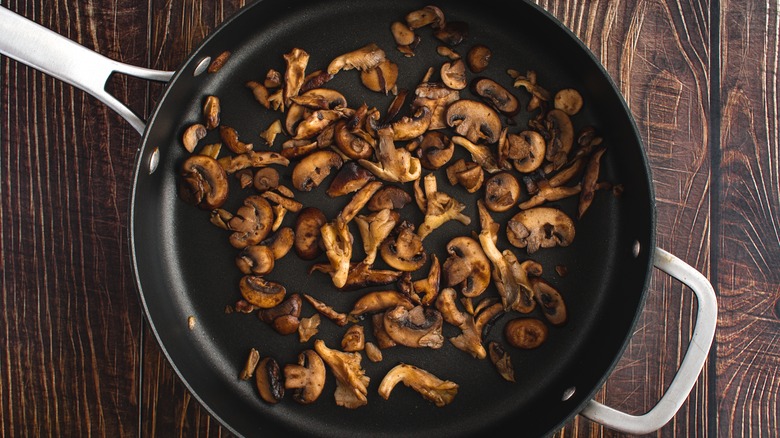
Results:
748 382
656 52
71 320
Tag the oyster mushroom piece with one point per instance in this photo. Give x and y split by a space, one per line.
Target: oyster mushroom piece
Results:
374 229
403 249
354 339
268 380
452 33
440 208
192 136
429 286
233 164
361 275
296 62
502 190
502 361
427 15
204 182
379 301
350 178
364 58
540 227
306 378
470 339
562 132
481 154
440 392
395 164
474 120
260 292
381 78
419 327
211 111
358 201
437 97
337 241
467 266
351 380
252 222
496 95
309 173
526 150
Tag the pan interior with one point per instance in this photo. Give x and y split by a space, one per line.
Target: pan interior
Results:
185 266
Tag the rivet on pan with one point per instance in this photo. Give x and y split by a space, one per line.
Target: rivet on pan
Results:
202 66
154 160
568 393
635 249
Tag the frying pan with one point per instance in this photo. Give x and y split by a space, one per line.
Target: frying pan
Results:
184 266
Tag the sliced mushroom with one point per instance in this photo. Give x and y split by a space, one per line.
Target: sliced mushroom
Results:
428 287
390 197
403 249
540 227
272 79
466 266
268 380
440 392
341 319
266 178
355 142
211 111
525 333
423 17
374 229
466 173
296 62
550 301
381 78
203 182
547 193
453 74
230 138
379 301
354 339
474 120
192 136
350 178
589 181
307 378
373 353
361 275
380 334
395 164
358 201
448 52
478 58
526 150
250 365
419 327
538 94
285 316
351 379
402 34
337 240
281 242
307 232
362 59
255 259
502 192
274 129
260 292
440 208
435 150
317 122
251 159
314 168
496 95
260 93
568 100
252 222
437 97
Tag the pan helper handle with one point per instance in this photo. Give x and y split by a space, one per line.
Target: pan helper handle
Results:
692 363
55 55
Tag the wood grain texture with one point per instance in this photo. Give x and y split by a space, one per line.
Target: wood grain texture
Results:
748 342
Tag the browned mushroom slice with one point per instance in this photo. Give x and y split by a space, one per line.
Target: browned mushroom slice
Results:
351 379
419 327
255 259
496 95
440 208
374 229
373 353
341 319
272 79
381 78
355 143
337 241
453 74
358 201
403 249
470 338
540 227
435 150
296 62
501 360
250 365
408 128
361 275
211 112
314 168
280 243
390 197
285 316
296 149
538 94
562 133
428 287
320 98
251 223
307 232
478 58
402 34
568 100
260 292
268 379
269 135
287 203
474 120
466 266
589 181
260 93
192 136
423 17
318 121
350 178
523 298
447 52
379 301
480 153
203 182
550 300
466 173
364 58
437 97
380 334
395 164
251 159
502 191
525 333
439 392
230 138
266 178
354 339
307 378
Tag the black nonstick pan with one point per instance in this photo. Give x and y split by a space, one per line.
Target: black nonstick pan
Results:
185 266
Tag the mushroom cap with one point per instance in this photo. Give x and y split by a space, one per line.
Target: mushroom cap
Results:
389 196
502 190
496 95
416 327
350 178
204 182
256 259
562 131
307 232
526 149
474 120
453 74
540 227
260 292
314 168
440 392
468 265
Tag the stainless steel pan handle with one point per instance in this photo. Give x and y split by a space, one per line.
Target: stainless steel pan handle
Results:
692 363
55 55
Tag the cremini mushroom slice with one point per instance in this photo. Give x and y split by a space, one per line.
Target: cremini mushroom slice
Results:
203 182
480 154
211 111
354 339
285 316
466 266
502 361
378 328
402 33
220 218
474 120
540 227
408 128
429 15
435 150
361 275
589 181
374 228
296 62
439 392
351 379
306 378
251 223
337 241
525 333
260 93
452 33
230 138
314 168
440 208
281 242
548 193
466 173
478 58
307 232
453 74
268 380
255 259
418 327
350 178
379 301
273 79
403 249
437 97
358 201
550 301
251 159
250 365
395 164
390 197
373 353
568 100
496 95
364 58
260 292
351 136
192 135
381 78
526 150
502 191
561 132
341 319
265 178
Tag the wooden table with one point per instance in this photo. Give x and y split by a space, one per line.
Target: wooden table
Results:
78 359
